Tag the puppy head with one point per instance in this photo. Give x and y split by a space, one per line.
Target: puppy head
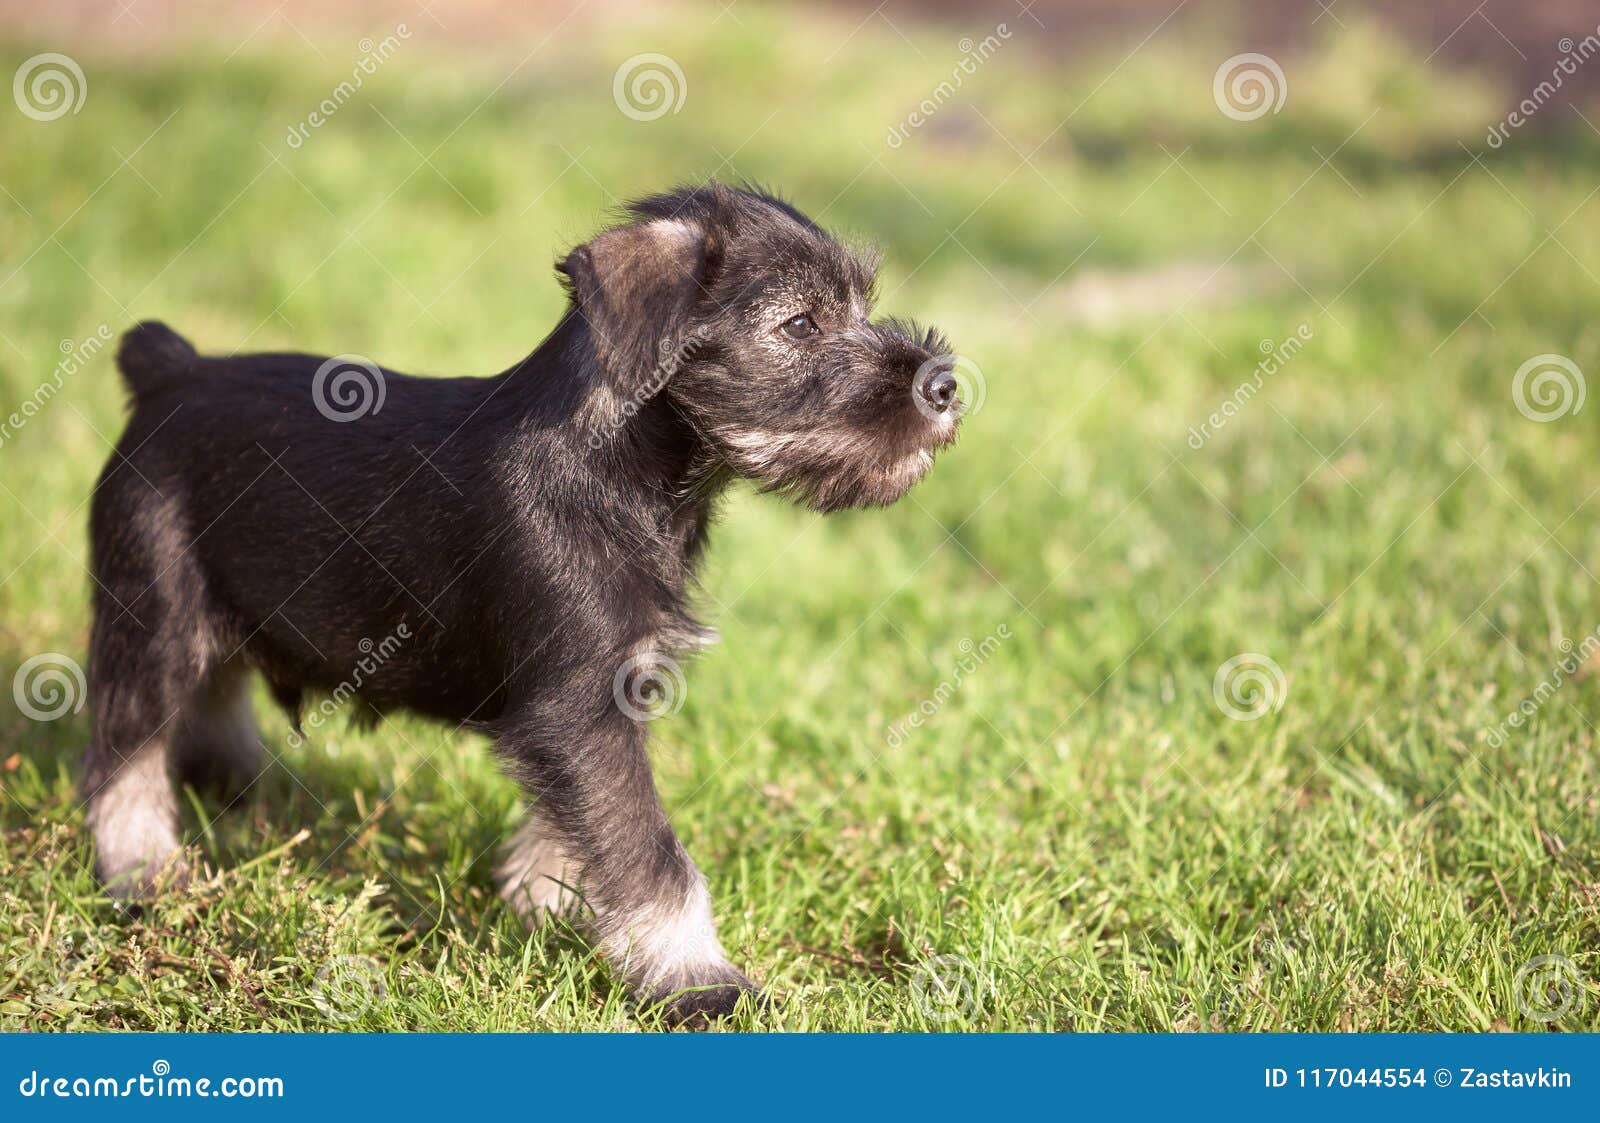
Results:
753 322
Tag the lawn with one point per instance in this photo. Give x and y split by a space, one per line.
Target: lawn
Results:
1093 822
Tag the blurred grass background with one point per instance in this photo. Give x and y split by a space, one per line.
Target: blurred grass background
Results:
1078 837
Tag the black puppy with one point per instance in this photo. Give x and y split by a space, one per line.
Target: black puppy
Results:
522 544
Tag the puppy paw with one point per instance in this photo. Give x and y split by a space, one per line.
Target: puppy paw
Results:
136 847
697 1006
133 882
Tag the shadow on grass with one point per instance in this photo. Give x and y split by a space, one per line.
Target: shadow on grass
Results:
279 868
389 817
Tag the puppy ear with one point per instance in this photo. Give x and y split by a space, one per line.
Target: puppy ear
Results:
636 286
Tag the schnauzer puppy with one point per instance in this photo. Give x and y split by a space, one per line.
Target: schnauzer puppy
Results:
524 544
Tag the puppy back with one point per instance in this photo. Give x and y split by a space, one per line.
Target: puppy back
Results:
153 356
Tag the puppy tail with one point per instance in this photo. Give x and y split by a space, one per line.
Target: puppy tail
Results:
153 356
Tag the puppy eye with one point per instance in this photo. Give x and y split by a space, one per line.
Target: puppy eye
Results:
800 327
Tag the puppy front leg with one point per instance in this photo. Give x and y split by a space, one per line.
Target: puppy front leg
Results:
597 803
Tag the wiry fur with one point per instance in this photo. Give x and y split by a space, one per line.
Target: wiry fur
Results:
550 534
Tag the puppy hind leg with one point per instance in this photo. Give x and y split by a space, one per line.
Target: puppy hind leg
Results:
133 815
135 697
535 875
149 644
217 747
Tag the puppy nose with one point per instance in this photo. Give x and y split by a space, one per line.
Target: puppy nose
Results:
939 390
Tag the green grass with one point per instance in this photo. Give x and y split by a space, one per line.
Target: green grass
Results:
1078 838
